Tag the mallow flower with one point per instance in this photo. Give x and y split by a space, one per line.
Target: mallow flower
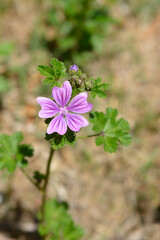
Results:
63 111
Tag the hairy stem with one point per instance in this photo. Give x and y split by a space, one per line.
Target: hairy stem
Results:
30 179
93 135
44 189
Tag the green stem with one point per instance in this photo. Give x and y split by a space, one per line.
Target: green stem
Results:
30 179
93 135
44 189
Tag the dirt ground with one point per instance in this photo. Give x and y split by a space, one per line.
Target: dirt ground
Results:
112 196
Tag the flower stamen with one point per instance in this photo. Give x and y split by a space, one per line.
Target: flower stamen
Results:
63 110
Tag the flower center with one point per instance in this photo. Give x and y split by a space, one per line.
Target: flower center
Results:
64 111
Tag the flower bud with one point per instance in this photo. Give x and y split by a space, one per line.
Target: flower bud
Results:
75 78
74 67
79 82
88 85
83 76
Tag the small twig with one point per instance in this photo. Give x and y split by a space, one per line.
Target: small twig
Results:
93 135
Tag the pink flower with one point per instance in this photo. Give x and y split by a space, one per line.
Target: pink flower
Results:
64 113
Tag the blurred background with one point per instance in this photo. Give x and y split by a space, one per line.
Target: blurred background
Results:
112 196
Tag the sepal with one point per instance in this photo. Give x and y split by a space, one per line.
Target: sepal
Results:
59 141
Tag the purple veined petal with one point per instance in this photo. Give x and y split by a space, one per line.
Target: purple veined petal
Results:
75 121
49 107
79 104
62 95
58 124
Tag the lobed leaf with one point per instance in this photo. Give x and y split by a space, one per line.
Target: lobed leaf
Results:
111 130
58 223
12 154
38 176
52 82
46 71
58 68
98 89
54 73
26 150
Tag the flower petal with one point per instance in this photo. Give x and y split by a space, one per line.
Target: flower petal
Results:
62 95
79 104
49 107
58 124
75 121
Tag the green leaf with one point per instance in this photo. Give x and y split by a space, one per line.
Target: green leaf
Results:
4 85
58 68
54 73
59 141
98 89
46 71
52 82
12 154
26 150
58 223
38 177
111 130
